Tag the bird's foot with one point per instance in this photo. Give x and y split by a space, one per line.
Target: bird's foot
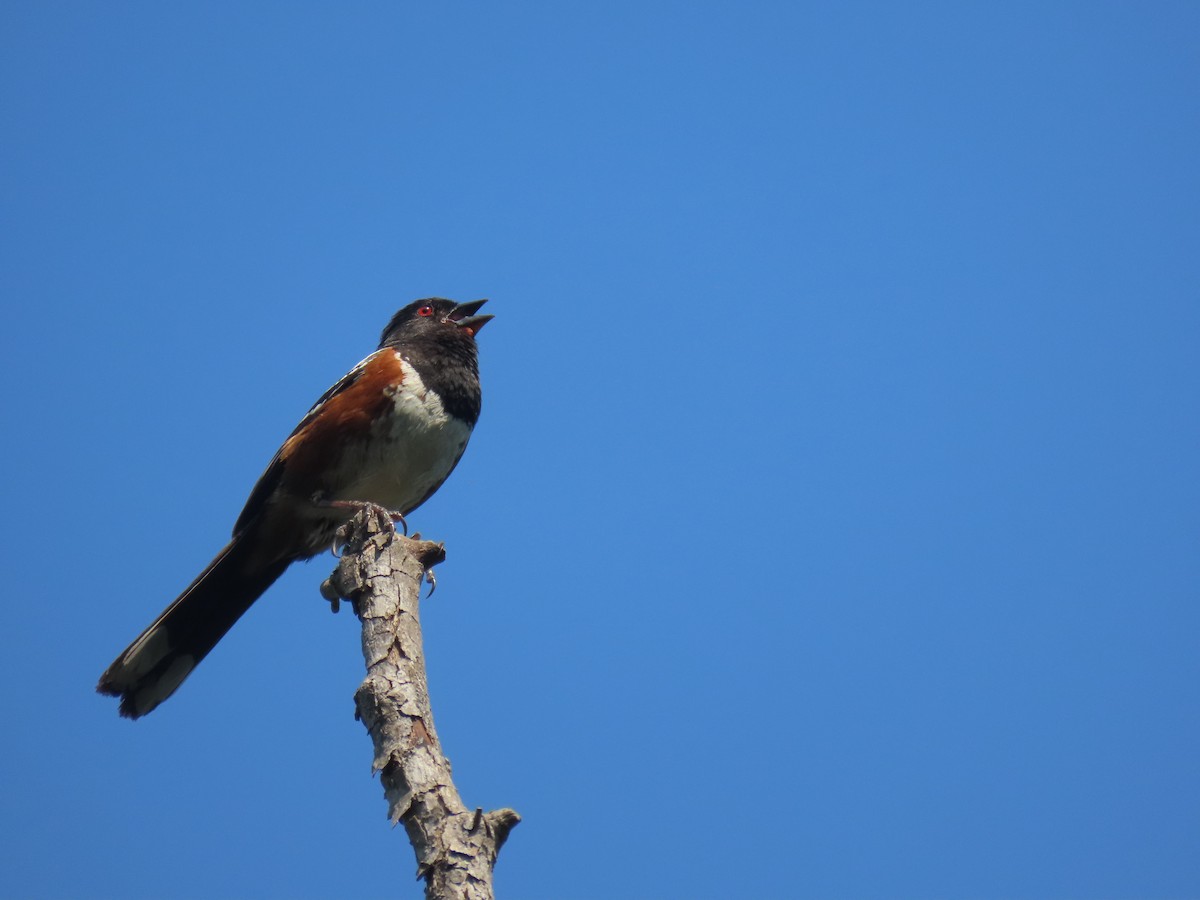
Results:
387 518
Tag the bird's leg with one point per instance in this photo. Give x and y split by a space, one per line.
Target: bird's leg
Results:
387 518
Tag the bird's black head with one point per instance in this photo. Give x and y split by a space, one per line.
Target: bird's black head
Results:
437 338
435 319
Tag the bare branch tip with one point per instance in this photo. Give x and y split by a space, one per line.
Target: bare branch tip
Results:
330 593
501 822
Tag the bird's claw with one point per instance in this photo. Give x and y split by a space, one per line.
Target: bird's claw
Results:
384 517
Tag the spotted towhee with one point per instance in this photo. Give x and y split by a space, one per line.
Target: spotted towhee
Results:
386 435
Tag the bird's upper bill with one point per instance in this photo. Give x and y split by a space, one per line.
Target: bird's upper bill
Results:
463 315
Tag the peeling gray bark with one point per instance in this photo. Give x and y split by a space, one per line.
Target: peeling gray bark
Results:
380 574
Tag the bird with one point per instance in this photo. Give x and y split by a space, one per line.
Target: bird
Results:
386 436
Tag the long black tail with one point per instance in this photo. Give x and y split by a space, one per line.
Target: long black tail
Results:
156 663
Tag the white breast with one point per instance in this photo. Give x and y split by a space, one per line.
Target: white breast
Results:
411 451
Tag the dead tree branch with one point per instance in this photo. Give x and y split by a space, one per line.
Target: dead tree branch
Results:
381 574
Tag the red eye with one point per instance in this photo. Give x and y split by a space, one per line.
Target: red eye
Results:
425 311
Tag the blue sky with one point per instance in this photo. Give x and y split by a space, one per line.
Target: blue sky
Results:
831 528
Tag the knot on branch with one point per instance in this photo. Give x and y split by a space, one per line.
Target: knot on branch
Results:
464 851
498 823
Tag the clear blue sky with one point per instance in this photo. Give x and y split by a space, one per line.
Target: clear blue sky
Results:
832 526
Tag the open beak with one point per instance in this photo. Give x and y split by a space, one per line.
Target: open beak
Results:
464 316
